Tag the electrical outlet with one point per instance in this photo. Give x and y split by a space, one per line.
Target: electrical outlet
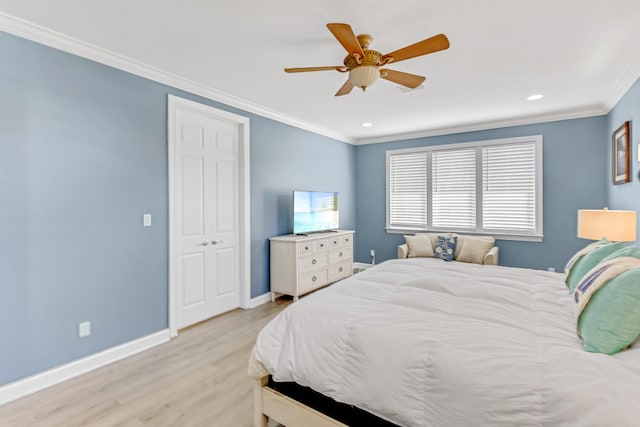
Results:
551 269
372 252
84 329
146 220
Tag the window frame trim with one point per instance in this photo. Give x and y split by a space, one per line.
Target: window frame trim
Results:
536 236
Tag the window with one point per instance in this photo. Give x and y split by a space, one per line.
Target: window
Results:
489 187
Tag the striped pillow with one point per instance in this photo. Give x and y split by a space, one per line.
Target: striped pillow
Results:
608 305
586 259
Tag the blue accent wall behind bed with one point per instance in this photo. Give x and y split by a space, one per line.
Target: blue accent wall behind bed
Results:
575 176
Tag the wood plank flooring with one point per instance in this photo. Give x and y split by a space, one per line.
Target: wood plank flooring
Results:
197 379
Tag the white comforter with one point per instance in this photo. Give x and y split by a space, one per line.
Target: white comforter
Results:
423 342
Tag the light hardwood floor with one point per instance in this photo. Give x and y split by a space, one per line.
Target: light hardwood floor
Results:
197 379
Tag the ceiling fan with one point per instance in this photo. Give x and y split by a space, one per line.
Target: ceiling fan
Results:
363 64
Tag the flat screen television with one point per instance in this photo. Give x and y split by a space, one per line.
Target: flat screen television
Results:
315 211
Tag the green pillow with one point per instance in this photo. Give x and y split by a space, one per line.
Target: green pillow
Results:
588 261
611 320
629 251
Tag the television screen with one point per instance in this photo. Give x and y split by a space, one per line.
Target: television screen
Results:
315 211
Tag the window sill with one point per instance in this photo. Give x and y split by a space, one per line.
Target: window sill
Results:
497 236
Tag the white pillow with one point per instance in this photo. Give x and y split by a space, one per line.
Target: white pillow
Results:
433 237
474 249
419 246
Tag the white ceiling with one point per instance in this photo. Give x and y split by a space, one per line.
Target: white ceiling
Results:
581 54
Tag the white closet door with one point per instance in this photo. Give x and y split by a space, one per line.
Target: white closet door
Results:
206 188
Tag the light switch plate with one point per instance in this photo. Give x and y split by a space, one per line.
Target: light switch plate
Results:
146 220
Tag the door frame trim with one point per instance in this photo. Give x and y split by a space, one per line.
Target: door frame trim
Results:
173 104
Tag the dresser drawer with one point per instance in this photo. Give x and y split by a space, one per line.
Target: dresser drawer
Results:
340 254
312 262
321 245
305 248
340 270
336 241
309 282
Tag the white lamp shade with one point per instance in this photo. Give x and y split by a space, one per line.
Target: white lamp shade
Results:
364 76
616 226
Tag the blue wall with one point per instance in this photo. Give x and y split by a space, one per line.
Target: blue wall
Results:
625 196
83 154
574 175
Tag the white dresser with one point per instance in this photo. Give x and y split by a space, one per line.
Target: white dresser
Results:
301 264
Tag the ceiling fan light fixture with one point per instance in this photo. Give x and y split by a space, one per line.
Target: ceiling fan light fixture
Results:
364 76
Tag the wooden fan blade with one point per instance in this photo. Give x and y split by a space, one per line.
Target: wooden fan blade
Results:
405 79
430 45
346 89
347 38
305 69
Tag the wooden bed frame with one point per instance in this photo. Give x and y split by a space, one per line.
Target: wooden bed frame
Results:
271 404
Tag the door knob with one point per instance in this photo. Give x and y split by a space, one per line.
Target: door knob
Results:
205 243
217 242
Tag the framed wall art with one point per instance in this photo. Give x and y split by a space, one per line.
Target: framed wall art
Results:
621 154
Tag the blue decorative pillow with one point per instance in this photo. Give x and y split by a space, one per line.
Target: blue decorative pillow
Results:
445 247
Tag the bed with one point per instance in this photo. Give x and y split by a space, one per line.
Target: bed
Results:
424 342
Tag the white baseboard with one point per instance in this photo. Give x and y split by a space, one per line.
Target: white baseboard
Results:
259 300
37 382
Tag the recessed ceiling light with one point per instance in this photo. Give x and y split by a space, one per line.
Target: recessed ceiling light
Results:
534 97
367 124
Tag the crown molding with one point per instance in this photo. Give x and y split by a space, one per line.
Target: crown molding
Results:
598 111
628 78
39 34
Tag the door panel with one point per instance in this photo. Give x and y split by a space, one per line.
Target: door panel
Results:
226 194
193 279
226 272
192 195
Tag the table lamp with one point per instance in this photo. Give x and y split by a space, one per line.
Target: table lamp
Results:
615 226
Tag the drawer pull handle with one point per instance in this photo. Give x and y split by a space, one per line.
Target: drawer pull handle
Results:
313 261
314 278
346 240
306 248
335 242
340 269
340 254
322 245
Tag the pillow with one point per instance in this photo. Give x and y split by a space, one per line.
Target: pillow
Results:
576 269
463 238
445 247
608 299
433 237
474 250
628 251
418 246
580 254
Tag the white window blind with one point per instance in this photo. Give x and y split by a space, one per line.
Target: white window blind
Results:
492 187
454 188
407 181
509 187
